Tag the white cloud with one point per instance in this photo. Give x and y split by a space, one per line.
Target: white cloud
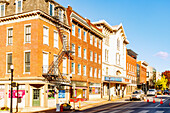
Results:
162 54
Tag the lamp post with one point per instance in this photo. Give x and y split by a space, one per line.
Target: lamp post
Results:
109 87
12 69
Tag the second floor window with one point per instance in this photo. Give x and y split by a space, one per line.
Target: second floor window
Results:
2 11
10 36
27 33
95 72
84 70
27 61
73 30
73 49
99 73
19 6
91 72
79 69
73 68
45 35
79 51
55 39
9 62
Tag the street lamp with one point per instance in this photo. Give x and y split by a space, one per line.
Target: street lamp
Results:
12 69
109 88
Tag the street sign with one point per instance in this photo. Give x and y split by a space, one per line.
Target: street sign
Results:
61 94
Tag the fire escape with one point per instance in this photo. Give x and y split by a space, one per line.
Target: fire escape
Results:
54 74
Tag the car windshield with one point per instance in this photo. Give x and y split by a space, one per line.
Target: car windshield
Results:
136 92
151 90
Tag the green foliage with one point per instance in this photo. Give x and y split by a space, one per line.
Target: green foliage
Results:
161 83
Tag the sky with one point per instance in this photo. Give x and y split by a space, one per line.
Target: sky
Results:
146 24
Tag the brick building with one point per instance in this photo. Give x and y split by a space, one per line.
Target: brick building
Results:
86 66
131 70
33 33
141 75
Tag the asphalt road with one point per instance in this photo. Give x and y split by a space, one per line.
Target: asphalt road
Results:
134 106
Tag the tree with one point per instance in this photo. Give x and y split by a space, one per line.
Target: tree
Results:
162 83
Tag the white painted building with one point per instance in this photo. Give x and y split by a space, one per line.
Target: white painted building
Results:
114 59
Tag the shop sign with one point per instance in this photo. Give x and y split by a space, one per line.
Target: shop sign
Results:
51 94
79 83
21 93
117 79
61 94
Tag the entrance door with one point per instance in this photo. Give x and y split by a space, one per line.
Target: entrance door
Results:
36 97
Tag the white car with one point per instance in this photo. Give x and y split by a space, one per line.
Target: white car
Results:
138 94
152 92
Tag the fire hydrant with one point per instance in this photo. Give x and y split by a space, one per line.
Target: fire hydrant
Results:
61 108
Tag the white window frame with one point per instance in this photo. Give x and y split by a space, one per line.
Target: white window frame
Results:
91 55
52 9
85 36
25 25
91 39
95 72
44 52
24 61
55 39
79 52
73 49
99 73
79 71
85 53
47 36
79 33
7 61
91 72
84 70
95 42
4 10
73 68
73 29
17 6
95 57
12 35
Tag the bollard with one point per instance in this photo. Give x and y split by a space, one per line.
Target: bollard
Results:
155 96
61 108
147 100
161 102
153 100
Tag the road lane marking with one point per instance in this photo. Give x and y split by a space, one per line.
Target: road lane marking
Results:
163 102
159 111
115 111
144 111
129 111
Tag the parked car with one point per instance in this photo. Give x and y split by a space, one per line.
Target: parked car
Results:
166 92
138 94
159 92
152 92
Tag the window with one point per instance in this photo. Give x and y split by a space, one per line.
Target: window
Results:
91 56
73 49
79 33
45 62
79 69
117 59
45 35
19 6
99 74
85 36
2 11
84 70
95 57
64 66
91 39
107 70
99 44
73 30
27 33
73 68
95 72
91 73
51 9
118 44
55 68
27 61
95 41
79 51
85 53
106 55
99 59
55 39
10 36
9 62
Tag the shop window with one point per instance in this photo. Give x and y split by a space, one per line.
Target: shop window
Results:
94 90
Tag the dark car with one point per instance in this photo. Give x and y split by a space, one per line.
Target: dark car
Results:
166 92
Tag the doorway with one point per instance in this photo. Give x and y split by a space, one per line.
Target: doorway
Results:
36 97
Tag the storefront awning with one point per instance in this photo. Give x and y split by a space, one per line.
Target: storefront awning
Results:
80 87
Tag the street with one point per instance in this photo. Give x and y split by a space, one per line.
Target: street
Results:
134 106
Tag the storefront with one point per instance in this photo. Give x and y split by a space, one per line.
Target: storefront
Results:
94 90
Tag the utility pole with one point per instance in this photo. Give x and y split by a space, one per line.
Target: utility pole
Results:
109 88
12 69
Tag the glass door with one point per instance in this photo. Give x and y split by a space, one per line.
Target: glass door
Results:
36 97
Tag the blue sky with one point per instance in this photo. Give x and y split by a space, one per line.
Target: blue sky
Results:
146 24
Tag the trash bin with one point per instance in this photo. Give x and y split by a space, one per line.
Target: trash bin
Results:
57 107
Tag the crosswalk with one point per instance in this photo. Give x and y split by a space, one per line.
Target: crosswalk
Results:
133 111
